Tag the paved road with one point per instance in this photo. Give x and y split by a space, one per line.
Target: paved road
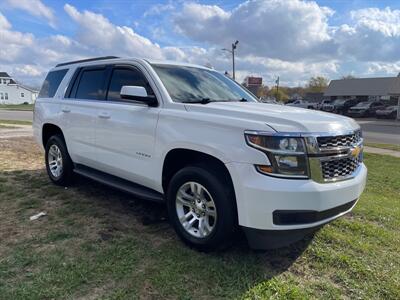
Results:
15 115
380 131
382 151
375 131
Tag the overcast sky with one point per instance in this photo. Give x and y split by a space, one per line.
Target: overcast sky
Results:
290 38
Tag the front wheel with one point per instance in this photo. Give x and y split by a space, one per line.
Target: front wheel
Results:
201 208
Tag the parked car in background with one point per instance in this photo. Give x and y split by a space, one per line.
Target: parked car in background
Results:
389 112
365 109
323 102
328 107
303 104
271 101
342 106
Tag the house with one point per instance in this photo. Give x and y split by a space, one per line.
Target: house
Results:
314 97
295 96
364 89
12 92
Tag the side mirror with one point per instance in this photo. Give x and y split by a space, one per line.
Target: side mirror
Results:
137 93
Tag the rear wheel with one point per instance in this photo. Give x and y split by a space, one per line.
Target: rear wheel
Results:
59 165
201 208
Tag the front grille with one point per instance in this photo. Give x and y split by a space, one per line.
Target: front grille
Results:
339 168
348 140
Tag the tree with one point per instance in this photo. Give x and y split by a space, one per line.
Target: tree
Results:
317 84
262 91
278 95
348 77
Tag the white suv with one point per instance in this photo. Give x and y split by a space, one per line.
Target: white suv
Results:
193 138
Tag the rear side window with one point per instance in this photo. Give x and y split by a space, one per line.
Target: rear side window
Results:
126 76
51 83
91 84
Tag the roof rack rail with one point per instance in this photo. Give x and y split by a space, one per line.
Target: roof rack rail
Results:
86 60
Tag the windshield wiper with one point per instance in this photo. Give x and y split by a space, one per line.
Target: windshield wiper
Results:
201 101
208 100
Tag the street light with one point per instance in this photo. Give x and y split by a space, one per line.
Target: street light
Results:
234 45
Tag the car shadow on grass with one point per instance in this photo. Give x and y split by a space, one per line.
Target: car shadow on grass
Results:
154 216
96 219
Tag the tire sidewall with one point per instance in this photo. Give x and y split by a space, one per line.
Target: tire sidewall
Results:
225 224
67 168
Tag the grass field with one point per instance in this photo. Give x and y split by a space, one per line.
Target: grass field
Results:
98 243
28 107
384 146
15 122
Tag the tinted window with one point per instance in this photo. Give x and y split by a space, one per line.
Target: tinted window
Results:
51 83
126 76
91 84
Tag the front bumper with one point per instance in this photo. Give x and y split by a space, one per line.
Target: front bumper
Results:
258 196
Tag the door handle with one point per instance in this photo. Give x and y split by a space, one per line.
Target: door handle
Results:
104 115
65 109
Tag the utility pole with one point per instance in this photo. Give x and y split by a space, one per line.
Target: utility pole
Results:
234 46
277 87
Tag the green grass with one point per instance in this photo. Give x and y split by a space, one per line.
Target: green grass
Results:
27 107
384 146
15 122
93 244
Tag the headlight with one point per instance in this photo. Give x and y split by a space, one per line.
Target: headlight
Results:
287 155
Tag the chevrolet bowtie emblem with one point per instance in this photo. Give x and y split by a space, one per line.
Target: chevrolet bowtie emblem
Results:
355 151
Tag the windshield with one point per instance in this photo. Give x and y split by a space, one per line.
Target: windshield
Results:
339 101
363 104
190 84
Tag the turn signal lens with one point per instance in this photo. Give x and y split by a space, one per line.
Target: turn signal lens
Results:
256 140
265 169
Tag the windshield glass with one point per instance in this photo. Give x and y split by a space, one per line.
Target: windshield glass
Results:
190 84
339 101
363 104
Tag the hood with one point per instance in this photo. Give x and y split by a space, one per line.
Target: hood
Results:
280 118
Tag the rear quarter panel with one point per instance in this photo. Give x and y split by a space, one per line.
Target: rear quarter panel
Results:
47 110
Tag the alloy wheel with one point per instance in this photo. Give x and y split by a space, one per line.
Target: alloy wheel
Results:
196 209
55 161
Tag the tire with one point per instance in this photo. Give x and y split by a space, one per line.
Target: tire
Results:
61 158
217 191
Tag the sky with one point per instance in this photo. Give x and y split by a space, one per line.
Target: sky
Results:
292 39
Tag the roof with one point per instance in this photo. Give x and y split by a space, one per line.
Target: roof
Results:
4 74
86 60
174 63
364 87
12 81
110 59
28 88
314 96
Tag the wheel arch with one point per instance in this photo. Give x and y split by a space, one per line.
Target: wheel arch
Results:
177 158
48 130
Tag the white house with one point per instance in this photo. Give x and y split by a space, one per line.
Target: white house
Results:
14 93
